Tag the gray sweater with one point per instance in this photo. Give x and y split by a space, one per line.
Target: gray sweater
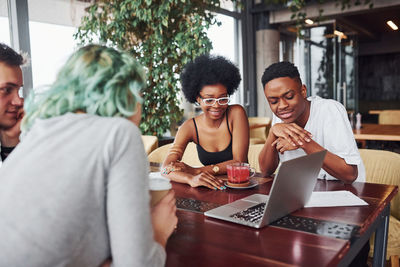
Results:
75 192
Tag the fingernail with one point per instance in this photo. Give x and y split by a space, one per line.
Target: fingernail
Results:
301 143
308 140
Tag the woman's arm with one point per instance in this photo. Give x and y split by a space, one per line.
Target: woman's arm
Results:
178 171
128 204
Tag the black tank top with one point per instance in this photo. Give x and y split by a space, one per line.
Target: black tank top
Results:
210 158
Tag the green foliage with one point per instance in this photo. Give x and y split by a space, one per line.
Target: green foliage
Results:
163 36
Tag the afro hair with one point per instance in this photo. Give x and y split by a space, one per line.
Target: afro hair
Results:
279 70
208 70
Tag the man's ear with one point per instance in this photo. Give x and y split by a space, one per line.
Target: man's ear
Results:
303 91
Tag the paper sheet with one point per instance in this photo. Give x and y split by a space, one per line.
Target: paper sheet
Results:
334 199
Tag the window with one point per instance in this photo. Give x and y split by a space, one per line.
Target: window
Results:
4 25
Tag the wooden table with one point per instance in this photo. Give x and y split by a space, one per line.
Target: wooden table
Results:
381 132
203 241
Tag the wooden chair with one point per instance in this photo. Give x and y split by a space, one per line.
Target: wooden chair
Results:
389 117
190 156
254 151
150 143
383 167
259 128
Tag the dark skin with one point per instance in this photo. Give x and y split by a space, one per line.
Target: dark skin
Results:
287 99
214 136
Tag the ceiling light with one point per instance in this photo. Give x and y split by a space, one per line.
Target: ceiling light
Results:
340 34
309 21
392 25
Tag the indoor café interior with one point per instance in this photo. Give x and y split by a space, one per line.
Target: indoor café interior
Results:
199 133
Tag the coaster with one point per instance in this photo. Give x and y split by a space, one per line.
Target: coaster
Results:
246 184
251 185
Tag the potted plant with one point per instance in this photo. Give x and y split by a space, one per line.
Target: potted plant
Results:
163 36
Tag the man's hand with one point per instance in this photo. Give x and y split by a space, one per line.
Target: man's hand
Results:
292 133
10 137
283 145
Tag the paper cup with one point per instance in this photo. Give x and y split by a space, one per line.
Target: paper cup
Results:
159 187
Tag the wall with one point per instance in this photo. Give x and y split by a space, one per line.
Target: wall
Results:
379 81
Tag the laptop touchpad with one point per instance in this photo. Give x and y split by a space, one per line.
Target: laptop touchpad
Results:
242 204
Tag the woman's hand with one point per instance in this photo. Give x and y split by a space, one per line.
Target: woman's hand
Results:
207 180
183 167
163 218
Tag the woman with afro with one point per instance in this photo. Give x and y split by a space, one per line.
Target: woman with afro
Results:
221 132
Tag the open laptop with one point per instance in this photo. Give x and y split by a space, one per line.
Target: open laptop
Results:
290 191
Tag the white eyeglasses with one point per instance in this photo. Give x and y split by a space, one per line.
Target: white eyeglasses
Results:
211 101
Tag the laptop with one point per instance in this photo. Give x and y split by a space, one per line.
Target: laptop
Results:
290 191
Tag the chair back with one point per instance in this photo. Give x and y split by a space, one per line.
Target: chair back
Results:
383 167
389 117
254 151
150 143
190 156
258 135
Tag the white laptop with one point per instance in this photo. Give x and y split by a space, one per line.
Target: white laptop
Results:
290 191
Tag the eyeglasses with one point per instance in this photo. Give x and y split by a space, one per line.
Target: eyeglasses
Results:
211 101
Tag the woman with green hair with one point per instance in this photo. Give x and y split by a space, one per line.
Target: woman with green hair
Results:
74 192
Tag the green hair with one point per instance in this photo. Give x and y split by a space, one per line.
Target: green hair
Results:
97 80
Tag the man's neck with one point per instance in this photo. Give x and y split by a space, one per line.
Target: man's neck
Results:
303 118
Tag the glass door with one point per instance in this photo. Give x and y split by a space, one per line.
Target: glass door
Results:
328 64
346 87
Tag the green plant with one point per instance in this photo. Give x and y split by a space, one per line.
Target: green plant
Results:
163 36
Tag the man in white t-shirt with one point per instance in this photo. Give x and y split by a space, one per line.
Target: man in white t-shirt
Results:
304 125
11 104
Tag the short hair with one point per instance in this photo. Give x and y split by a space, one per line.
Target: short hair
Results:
97 80
208 70
279 70
10 57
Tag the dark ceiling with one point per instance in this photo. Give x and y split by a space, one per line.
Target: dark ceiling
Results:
371 25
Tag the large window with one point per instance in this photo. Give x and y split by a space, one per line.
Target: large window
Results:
51 45
4 26
225 43
52 25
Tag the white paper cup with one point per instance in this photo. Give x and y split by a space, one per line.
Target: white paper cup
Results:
159 186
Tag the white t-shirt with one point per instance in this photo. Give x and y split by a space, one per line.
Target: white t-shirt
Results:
330 127
74 192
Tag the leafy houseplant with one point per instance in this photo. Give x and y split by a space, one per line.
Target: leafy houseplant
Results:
163 36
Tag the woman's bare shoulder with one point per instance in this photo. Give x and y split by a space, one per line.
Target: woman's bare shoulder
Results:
237 111
185 131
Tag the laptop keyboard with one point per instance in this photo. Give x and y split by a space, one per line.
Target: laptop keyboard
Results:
252 214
